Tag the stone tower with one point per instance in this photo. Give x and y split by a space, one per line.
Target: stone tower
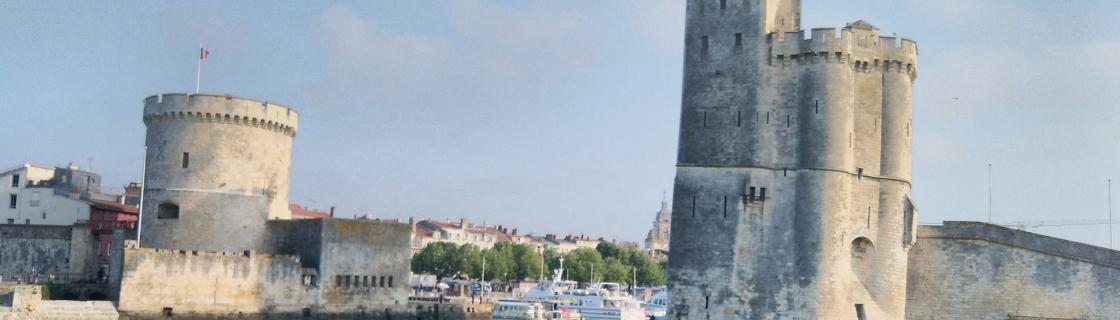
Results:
792 193
658 237
218 167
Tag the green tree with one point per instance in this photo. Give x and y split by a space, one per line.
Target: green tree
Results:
580 262
615 271
467 260
527 262
608 249
438 259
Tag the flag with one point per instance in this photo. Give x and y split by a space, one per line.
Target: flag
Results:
203 54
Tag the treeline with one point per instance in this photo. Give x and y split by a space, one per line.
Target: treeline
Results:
521 262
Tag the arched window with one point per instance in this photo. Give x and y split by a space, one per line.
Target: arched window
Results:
168 210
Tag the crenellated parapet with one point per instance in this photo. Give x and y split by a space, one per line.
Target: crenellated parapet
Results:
224 109
858 45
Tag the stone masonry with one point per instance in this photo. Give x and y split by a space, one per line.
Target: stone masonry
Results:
218 167
792 193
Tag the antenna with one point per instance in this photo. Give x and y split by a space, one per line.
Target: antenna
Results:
989 193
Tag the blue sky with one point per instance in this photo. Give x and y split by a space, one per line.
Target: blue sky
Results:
554 116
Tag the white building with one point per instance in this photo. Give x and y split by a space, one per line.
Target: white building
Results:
45 195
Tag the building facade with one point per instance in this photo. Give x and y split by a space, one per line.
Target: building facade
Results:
47 195
792 192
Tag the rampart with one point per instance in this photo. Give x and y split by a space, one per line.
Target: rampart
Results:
235 111
974 270
315 268
861 47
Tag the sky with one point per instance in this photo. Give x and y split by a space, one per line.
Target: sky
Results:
555 116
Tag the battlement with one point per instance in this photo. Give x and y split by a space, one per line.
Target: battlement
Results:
859 45
221 109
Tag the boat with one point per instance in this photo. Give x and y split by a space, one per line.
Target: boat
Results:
518 309
604 301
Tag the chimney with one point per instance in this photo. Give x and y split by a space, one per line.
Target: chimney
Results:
462 222
412 224
332 211
515 231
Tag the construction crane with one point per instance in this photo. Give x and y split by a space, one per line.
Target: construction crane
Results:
1021 225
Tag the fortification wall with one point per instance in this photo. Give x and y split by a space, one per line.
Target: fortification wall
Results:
352 268
213 283
223 163
364 265
973 270
42 253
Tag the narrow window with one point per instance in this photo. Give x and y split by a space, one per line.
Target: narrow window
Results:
382 282
768 117
722 4
390 281
788 121
725 207
704 44
908 129
15 181
44 216
859 173
869 217
186 159
357 281
167 210
705 124
707 299
816 106
761 194
750 196
13 199
365 281
337 281
859 312
345 281
738 41
739 118
785 172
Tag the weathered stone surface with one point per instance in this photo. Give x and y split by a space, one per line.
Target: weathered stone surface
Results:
972 270
236 176
792 195
328 266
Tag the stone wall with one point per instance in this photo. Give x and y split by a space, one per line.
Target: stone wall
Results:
42 253
210 282
318 266
973 270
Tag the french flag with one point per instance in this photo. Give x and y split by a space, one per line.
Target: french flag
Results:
203 54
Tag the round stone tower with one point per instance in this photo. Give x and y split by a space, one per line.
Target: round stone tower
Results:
218 167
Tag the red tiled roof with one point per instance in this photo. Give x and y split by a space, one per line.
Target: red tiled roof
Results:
299 211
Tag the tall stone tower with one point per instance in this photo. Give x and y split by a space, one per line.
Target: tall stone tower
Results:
792 194
658 237
218 167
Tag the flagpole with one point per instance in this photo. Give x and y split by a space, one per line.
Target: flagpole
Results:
198 75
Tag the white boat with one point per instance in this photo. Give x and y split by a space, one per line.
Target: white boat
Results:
518 309
601 302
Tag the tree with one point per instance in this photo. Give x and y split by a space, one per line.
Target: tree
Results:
579 263
468 260
527 262
607 249
438 259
